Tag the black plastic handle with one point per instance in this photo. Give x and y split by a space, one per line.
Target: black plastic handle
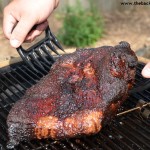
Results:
48 34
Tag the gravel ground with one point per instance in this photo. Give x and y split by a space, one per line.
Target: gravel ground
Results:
132 26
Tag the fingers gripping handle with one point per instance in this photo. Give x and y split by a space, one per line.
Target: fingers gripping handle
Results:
31 54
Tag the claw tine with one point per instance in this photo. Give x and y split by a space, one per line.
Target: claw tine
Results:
56 42
51 46
28 62
48 53
31 66
39 52
26 59
33 56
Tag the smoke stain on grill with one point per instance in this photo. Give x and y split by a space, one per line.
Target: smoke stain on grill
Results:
123 133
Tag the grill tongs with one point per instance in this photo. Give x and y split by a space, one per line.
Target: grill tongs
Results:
39 50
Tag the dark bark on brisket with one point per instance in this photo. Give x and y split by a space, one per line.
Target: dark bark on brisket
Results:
81 93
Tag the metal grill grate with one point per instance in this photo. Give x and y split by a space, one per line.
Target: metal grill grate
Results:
127 132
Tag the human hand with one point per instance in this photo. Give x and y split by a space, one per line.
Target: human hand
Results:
21 15
146 71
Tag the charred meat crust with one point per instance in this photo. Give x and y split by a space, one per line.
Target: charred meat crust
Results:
81 93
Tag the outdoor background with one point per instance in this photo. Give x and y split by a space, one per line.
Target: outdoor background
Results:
129 23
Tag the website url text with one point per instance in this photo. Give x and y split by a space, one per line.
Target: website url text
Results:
135 3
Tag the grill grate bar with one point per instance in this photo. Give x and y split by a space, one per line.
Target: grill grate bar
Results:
27 75
132 135
17 81
73 145
139 120
10 89
114 136
90 144
110 142
129 125
138 80
12 84
4 109
53 147
6 94
82 144
35 144
43 145
4 101
30 145
2 125
144 96
22 147
57 145
4 113
129 141
141 127
32 73
68 144
3 136
22 78
101 142
63 146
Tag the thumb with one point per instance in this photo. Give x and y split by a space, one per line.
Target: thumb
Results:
20 32
146 71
